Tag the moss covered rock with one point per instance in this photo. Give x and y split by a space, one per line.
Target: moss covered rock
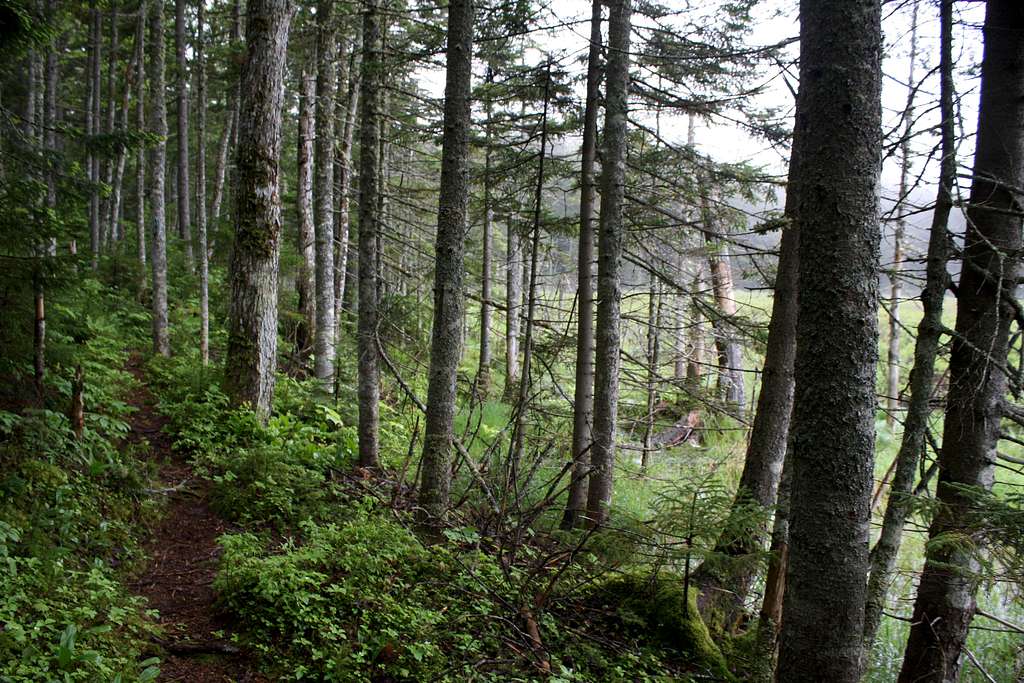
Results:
654 607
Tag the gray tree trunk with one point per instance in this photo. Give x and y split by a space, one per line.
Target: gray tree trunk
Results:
107 205
252 327
204 254
483 377
892 393
929 330
323 192
342 229
513 304
609 265
977 377
92 128
839 122
140 156
158 170
306 278
181 73
453 203
583 397
369 229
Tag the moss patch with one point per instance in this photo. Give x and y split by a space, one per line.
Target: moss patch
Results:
652 606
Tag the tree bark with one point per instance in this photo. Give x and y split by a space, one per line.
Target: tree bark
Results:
306 280
204 254
326 87
92 128
922 376
140 157
369 229
583 397
158 169
453 203
181 72
343 227
107 206
609 265
252 327
483 376
837 340
513 303
977 377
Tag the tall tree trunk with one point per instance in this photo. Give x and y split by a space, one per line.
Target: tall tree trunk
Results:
306 279
977 376
483 376
107 205
326 87
252 328
140 156
895 279
839 116
204 254
220 170
158 170
92 128
922 375
115 227
448 295
609 265
583 397
369 228
695 360
343 162
513 304
181 72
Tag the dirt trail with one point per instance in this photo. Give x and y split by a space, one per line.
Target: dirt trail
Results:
178 580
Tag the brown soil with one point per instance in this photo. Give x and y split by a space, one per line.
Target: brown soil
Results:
183 552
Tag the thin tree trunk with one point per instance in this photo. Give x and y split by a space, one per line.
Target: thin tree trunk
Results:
220 171
158 169
326 87
252 328
306 279
513 303
769 620
695 360
344 180
837 340
609 265
92 128
107 206
922 375
583 397
522 407
895 278
116 228
181 72
369 228
977 377
140 157
204 254
483 376
653 353
453 203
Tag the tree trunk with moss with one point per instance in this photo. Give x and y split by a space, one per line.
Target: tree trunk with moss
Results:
839 126
252 327
445 347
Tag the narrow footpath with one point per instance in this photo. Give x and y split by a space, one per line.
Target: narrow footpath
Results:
183 553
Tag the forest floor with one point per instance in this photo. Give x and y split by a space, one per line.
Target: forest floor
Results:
182 549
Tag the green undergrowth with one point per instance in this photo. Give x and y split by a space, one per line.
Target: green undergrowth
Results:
72 510
327 579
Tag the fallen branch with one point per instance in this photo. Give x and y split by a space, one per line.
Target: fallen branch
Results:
198 647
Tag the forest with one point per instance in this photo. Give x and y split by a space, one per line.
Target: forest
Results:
511 340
